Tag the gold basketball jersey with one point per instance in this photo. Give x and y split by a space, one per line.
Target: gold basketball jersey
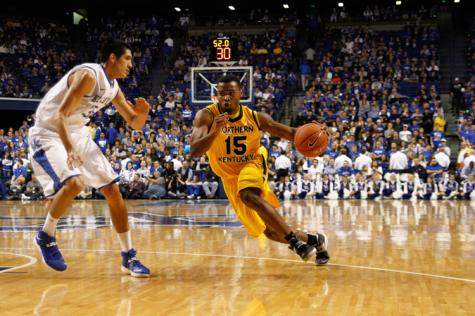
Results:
236 144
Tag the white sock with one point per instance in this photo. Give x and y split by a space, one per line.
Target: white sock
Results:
125 240
50 225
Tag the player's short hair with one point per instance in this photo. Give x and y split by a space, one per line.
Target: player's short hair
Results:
229 79
113 46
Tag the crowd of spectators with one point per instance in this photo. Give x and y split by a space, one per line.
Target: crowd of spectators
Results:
143 159
471 47
257 16
152 163
377 92
463 101
402 175
35 54
155 164
379 13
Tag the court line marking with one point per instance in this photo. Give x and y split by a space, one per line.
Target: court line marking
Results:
29 263
259 258
134 224
329 264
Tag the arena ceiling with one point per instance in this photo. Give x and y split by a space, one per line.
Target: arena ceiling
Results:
200 7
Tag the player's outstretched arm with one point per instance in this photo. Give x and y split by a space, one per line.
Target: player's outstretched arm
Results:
205 129
80 84
134 114
268 124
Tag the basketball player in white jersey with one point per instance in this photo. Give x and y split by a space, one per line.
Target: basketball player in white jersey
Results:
64 157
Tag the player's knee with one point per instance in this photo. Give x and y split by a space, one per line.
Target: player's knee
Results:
248 196
75 184
111 190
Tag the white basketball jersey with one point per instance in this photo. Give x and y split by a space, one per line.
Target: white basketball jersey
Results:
103 93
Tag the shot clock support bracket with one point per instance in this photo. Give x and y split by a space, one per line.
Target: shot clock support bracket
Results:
223 64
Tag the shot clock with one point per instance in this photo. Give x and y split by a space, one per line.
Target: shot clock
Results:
222 49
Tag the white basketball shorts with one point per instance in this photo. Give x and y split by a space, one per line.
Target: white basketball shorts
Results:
49 160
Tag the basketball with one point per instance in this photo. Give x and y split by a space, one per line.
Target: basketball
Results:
311 139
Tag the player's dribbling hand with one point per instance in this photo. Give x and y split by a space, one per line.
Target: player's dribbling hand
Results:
220 121
74 160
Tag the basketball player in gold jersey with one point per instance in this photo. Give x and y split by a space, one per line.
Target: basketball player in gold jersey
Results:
229 133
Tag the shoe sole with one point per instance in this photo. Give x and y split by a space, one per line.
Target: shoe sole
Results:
43 258
134 274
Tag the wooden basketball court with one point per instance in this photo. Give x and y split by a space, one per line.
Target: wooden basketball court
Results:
388 258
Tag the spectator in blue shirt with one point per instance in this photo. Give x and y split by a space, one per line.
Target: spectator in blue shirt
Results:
427 152
436 138
434 169
19 173
378 150
111 134
353 151
470 136
346 170
7 165
102 143
274 151
305 72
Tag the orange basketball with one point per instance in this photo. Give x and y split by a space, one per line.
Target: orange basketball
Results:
311 139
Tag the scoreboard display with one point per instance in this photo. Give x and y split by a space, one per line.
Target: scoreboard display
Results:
222 49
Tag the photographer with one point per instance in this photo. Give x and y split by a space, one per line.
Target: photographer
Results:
210 183
33 190
174 184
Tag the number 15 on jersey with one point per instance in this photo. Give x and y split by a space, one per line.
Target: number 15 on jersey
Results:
238 143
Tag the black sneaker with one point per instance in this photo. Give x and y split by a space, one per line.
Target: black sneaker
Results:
322 253
304 250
